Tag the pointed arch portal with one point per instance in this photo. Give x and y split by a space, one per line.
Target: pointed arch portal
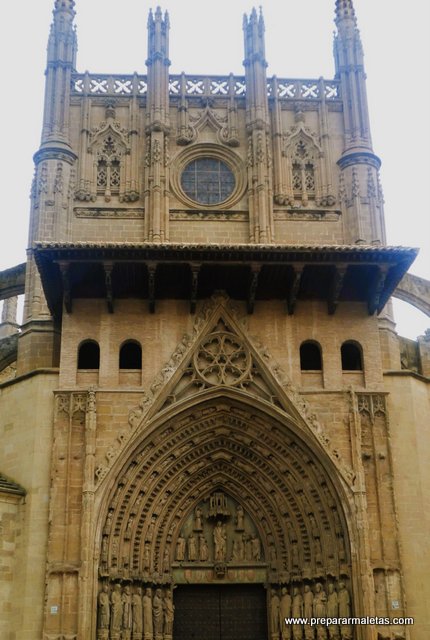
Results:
222 493
223 485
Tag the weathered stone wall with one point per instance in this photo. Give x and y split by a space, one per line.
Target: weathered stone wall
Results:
26 420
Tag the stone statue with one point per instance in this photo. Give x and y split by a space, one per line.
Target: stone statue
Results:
247 541
203 549
320 609
150 530
146 557
166 560
192 548
274 614
285 612
116 609
318 551
126 613
198 526
180 548
297 612
332 611
137 614
256 548
239 518
168 614
320 600
157 614
344 603
295 555
308 611
220 542
103 607
147 615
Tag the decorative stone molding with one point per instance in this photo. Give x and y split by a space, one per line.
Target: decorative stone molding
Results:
219 326
100 212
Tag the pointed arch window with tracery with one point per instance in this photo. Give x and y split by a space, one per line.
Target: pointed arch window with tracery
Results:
109 159
303 171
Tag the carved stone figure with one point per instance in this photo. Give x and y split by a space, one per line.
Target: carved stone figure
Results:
285 612
297 612
137 614
116 609
192 548
274 614
320 600
146 557
168 614
150 530
103 608
239 518
157 614
203 549
236 551
126 613
220 542
332 611
295 555
318 551
147 615
308 611
198 526
320 609
166 560
344 603
180 548
256 548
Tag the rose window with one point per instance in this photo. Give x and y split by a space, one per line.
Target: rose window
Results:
222 359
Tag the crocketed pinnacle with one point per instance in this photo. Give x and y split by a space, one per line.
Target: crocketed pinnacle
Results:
345 11
157 16
65 5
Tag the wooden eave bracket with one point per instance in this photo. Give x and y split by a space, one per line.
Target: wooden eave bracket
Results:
335 289
195 271
253 284
152 269
108 268
65 278
295 288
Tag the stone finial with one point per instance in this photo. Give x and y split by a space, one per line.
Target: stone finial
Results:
345 11
65 5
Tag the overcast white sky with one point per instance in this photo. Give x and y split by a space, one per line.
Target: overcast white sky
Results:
206 37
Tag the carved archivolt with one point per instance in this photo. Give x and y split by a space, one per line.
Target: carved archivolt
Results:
270 486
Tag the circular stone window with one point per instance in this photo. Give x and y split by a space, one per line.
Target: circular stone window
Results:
208 181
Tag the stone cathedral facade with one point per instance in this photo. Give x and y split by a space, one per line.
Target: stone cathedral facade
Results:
208 421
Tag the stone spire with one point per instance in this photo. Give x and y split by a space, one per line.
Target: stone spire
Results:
157 128
359 164
61 62
257 124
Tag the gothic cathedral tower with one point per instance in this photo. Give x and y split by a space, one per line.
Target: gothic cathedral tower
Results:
207 371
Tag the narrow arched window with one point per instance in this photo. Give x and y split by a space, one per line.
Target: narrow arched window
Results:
130 355
89 355
310 356
352 357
